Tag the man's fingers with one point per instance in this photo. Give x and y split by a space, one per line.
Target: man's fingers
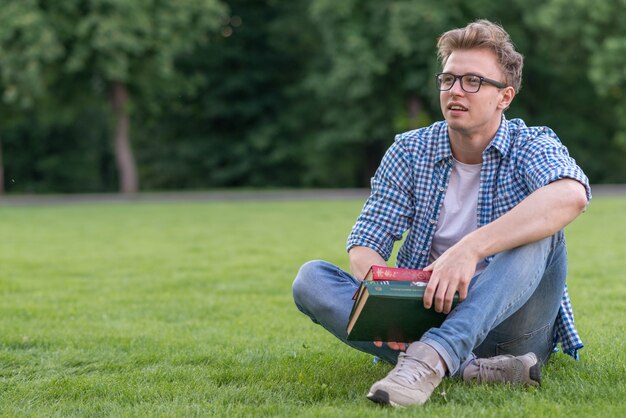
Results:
392 344
430 292
447 307
397 346
463 291
440 297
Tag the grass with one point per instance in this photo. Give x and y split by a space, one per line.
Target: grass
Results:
185 309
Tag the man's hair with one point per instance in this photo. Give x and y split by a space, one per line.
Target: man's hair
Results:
485 34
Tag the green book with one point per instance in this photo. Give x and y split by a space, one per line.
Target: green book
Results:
391 311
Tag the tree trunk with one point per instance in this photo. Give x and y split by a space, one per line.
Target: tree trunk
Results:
126 166
1 170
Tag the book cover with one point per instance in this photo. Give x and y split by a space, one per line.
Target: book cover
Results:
395 273
391 310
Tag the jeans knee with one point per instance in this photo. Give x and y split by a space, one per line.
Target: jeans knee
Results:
305 280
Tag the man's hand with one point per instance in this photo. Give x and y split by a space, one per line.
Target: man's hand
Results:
393 345
451 273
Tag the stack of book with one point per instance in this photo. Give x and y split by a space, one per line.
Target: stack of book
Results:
388 306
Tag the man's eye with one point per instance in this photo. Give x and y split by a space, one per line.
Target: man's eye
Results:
471 80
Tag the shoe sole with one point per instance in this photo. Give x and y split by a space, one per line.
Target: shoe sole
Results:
382 397
534 373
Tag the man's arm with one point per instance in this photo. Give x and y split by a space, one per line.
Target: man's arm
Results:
543 213
361 259
387 213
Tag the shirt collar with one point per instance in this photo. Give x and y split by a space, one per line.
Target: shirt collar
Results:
502 140
443 144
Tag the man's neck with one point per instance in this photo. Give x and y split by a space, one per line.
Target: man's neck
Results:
468 147
468 150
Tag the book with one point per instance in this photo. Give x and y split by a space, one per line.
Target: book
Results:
392 310
384 273
394 273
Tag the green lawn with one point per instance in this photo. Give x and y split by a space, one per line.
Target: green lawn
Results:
185 309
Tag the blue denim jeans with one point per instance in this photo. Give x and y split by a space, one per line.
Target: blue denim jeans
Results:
511 307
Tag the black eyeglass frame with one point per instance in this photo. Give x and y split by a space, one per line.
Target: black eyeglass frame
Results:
460 78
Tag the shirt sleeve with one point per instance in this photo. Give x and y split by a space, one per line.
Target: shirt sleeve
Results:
546 160
389 210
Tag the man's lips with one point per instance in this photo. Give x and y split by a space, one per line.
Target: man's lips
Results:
457 107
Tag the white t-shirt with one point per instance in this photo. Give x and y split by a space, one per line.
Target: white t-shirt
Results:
458 215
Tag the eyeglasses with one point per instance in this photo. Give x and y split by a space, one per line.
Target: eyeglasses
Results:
470 83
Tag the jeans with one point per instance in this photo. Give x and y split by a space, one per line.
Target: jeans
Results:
511 307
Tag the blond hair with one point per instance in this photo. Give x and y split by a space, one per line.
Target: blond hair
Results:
485 34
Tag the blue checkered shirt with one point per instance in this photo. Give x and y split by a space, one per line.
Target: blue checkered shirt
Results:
409 186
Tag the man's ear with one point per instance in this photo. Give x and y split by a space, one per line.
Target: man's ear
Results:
507 95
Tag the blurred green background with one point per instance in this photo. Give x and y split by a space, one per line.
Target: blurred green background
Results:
108 95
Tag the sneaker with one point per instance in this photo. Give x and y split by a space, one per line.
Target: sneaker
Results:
413 379
524 370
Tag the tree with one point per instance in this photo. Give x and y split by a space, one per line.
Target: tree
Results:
275 93
27 45
589 71
241 119
374 77
124 49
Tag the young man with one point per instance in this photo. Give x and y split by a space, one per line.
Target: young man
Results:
485 200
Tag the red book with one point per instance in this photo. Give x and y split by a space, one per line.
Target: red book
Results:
384 273
378 273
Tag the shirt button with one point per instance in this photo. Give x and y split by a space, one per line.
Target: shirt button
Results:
433 221
441 189
424 252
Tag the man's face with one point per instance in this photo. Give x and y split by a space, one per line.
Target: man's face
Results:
474 113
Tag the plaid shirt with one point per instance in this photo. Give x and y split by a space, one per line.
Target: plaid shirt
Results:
409 186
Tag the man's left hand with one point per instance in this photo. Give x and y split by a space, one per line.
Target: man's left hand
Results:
393 345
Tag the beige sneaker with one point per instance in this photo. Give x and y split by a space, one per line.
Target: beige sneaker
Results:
524 370
413 379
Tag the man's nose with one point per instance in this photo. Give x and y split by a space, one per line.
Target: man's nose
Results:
456 88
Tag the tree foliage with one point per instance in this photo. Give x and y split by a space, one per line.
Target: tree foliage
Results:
28 43
106 47
231 127
274 93
586 46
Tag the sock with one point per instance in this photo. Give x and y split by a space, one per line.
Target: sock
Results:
440 368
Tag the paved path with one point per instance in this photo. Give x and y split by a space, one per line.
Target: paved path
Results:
227 196
209 196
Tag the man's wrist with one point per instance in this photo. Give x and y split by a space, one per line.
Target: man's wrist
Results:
475 245
361 259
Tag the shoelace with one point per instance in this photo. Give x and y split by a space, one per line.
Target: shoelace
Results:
410 368
492 372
